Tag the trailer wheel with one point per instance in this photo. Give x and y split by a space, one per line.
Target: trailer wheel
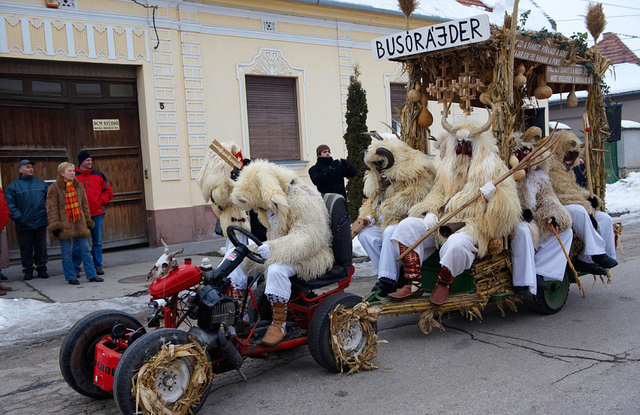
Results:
77 351
183 380
319 337
551 300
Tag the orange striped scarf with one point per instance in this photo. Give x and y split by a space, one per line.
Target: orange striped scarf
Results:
71 204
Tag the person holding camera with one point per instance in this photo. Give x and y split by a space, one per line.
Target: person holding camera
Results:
328 174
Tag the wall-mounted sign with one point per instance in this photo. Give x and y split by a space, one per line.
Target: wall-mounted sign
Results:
529 50
572 74
427 39
106 125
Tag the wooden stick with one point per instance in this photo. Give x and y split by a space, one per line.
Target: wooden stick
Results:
575 273
512 47
587 151
224 154
530 160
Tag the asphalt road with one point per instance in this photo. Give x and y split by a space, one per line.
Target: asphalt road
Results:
583 360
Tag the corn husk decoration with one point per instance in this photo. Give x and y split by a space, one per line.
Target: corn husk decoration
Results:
595 20
407 7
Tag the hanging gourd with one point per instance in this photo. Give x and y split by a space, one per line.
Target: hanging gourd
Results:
543 91
425 119
520 80
572 99
414 94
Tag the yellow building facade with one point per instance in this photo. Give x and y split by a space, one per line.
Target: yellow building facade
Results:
189 63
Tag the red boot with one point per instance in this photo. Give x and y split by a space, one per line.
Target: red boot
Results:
441 290
411 265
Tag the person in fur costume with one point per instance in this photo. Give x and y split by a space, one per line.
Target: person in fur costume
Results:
471 161
536 254
398 177
216 183
593 227
298 233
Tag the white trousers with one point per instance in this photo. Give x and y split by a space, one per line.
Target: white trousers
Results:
457 253
597 242
238 277
549 261
381 250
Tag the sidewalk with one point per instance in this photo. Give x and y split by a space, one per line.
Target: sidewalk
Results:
125 274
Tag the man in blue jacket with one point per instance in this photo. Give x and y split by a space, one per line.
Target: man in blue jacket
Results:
27 198
328 174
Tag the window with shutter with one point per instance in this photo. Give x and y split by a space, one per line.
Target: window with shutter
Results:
398 98
273 117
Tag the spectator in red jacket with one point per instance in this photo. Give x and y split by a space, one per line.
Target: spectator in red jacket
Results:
5 214
99 192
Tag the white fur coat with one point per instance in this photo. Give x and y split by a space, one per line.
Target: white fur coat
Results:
459 178
410 179
300 235
216 185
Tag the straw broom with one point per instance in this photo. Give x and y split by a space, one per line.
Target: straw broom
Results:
530 160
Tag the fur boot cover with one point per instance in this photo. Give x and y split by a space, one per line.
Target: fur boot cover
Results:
564 159
459 178
216 185
398 178
300 235
536 192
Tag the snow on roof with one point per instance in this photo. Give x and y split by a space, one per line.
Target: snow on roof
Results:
630 125
624 78
561 126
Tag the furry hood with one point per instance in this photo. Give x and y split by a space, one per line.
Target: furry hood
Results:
524 143
263 186
406 162
568 144
214 178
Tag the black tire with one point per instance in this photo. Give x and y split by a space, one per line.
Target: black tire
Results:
551 300
263 312
77 351
137 355
319 335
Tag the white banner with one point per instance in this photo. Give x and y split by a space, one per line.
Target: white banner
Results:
427 39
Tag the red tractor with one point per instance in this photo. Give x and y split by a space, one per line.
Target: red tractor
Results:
157 366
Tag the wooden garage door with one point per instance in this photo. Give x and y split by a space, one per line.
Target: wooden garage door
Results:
49 119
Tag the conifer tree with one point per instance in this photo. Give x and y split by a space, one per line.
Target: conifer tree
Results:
356 141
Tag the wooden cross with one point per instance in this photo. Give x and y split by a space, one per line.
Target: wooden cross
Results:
443 88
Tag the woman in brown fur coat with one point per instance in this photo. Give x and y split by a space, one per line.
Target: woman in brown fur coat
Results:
69 221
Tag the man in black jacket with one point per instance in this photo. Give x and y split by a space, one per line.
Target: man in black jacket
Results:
328 174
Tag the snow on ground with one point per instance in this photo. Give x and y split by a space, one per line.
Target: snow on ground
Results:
25 320
623 198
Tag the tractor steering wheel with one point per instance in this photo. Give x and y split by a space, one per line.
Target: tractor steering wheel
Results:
231 234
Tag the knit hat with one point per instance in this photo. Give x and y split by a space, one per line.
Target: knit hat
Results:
82 156
321 148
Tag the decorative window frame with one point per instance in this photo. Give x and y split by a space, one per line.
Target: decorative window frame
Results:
271 62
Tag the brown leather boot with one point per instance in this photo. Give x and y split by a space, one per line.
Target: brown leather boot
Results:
441 290
411 265
276 331
5 288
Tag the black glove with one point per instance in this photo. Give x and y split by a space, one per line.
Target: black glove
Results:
554 222
594 222
246 162
235 173
594 202
335 164
56 232
344 162
527 215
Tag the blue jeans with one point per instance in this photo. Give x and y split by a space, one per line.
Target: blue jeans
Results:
85 255
96 245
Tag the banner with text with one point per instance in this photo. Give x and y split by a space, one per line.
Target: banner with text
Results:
428 39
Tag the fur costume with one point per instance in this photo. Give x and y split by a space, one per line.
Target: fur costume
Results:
458 179
215 182
392 190
536 192
561 172
300 235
